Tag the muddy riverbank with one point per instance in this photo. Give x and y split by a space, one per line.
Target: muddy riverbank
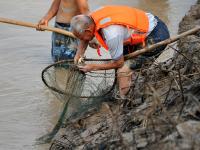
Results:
163 111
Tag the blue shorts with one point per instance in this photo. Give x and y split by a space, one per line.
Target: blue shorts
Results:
63 47
159 33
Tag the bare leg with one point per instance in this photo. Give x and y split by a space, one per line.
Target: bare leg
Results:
124 79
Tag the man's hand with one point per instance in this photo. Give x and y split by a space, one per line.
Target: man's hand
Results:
44 22
76 58
86 68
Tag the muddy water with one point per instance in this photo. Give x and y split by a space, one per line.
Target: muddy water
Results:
27 109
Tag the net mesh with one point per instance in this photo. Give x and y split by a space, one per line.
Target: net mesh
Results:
78 91
64 79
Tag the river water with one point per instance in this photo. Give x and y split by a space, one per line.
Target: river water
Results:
27 109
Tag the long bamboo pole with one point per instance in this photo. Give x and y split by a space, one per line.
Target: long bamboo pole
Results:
31 25
129 56
165 42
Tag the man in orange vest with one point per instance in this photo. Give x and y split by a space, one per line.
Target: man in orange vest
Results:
63 47
117 28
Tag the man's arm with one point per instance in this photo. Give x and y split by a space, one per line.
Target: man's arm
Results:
82 46
83 6
51 13
112 65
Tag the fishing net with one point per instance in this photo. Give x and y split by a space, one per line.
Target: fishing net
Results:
78 89
63 75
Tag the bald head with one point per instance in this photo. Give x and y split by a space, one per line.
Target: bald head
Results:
80 23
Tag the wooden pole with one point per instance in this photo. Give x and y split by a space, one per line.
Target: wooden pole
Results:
129 56
31 25
165 42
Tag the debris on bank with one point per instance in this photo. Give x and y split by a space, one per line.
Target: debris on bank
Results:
163 111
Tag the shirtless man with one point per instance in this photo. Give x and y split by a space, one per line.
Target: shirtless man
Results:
63 47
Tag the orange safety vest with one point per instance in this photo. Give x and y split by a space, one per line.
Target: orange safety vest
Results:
132 18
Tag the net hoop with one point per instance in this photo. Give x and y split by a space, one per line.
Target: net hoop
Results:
71 61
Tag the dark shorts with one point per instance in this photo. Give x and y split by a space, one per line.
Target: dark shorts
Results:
159 33
63 47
